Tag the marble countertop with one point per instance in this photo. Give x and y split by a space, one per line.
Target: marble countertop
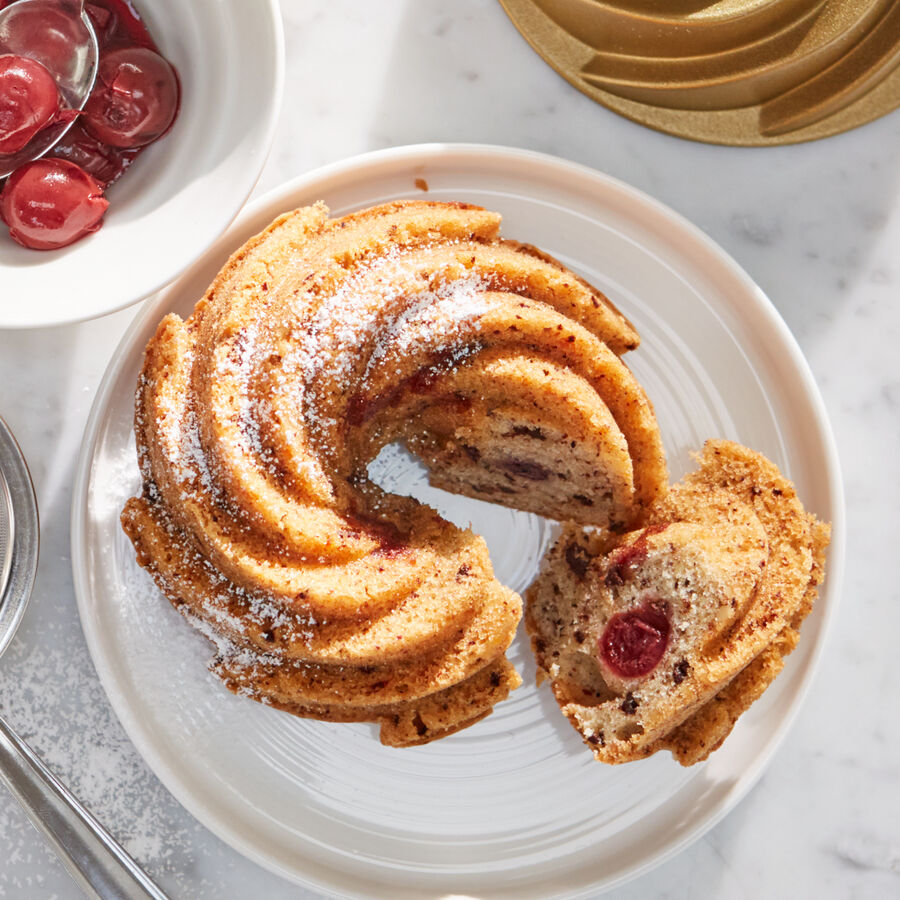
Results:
817 226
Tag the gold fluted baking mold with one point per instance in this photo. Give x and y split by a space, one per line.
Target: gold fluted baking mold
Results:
745 72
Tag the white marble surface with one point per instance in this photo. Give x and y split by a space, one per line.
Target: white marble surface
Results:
817 226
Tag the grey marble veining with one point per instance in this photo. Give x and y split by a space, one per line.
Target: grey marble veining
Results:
817 226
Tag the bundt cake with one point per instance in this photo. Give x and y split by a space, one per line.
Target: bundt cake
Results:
660 638
321 341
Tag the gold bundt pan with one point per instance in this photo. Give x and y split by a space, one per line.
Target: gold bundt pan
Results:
743 72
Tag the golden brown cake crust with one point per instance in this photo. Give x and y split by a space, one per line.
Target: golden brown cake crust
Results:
705 730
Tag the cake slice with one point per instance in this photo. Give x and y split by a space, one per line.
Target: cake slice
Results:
661 638
527 433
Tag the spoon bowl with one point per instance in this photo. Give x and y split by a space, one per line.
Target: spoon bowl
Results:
59 35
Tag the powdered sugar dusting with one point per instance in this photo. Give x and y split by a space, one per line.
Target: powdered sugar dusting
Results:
441 318
385 307
251 426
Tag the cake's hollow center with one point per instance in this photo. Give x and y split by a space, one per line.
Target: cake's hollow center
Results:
516 540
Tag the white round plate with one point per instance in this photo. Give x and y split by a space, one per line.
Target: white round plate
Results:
182 192
514 807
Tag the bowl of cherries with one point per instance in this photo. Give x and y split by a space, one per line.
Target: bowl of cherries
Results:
131 133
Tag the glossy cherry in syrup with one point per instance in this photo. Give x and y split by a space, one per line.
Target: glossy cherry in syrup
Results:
50 203
135 98
118 26
29 101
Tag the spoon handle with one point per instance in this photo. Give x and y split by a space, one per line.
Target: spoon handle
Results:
99 865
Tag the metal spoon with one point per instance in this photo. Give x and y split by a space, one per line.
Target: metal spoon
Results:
99 865
67 47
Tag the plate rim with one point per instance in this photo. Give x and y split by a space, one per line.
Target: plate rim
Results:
271 10
469 154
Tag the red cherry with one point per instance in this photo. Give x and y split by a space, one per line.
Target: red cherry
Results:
29 101
634 642
134 100
50 203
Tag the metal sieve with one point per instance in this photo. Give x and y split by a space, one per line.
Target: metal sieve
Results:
19 536
99 865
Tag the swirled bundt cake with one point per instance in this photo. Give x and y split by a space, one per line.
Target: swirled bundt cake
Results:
662 637
321 341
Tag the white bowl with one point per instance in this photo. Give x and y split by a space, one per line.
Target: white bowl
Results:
182 192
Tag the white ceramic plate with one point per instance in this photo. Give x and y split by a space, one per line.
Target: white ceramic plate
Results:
182 192
514 807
